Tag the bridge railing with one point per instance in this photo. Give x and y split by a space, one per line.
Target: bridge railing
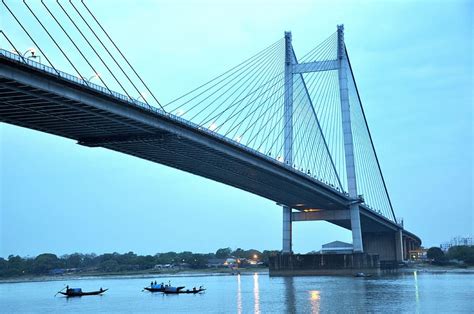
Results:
75 79
159 111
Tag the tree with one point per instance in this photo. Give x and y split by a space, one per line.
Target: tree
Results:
109 265
45 262
223 253
73 260
239 253
462 253
435 253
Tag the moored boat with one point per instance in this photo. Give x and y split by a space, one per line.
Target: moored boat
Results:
162 288
77 292
188 291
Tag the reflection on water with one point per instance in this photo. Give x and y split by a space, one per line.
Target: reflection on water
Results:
314 298
259 293
256 294
290 299
239 295
417 294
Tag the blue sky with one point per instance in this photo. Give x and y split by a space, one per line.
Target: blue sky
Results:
413 65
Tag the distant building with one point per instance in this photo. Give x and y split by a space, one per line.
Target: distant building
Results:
336 247
231 261
163 266
418 254
457 241
216 262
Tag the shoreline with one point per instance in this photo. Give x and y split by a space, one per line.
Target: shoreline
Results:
420 269
434 269
134 275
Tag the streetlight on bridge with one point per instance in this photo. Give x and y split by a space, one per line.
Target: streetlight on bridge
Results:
32 55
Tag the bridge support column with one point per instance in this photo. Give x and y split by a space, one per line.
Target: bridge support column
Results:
287 232
348 141
288 135
399 245
357 243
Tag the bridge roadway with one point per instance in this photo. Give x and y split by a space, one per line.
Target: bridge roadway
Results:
34 96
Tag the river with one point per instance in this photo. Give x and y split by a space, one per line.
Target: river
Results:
415 292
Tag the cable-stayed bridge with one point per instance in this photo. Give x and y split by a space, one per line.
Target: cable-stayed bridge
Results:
292 130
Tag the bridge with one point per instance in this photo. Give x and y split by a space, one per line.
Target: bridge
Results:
290 130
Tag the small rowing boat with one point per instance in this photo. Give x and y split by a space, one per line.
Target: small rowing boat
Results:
77 292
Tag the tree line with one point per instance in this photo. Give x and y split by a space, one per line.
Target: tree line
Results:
48 263
459 253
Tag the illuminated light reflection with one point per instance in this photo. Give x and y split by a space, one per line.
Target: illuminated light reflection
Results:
239 295
315 298
417 294
256 294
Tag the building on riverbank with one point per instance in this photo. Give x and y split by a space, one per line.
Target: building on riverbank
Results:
336 247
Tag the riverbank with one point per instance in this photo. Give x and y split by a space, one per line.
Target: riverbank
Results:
140 274
419 268
434 269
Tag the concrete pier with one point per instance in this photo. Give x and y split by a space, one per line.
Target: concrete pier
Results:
323 264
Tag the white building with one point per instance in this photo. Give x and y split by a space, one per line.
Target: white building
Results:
336 247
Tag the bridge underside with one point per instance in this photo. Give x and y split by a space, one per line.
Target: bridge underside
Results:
38 100
41 102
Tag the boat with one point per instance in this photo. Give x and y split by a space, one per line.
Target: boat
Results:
162 288
77 292
362 275
187 291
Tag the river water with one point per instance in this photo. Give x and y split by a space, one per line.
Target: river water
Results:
254 293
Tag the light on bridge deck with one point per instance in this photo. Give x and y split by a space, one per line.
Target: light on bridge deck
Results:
213 127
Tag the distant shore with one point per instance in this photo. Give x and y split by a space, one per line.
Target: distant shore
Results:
139 274
419 268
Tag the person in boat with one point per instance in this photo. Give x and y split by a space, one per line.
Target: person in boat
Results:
194 289
101 290
67 288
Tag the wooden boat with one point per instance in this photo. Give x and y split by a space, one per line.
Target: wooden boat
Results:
162 288
362 275
77 292
193 291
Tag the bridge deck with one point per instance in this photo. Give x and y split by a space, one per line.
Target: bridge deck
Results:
37 99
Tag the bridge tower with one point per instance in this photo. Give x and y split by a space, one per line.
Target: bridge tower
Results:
288 136
292 67
348 140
